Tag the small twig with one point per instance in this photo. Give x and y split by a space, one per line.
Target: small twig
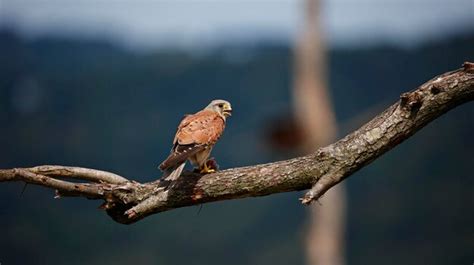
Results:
23 189
199 210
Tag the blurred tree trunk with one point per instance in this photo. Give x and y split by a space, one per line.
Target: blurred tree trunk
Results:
325 237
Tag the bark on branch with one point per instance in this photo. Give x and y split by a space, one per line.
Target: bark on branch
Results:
127 201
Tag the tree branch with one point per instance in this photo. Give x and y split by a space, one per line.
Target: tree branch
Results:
28 175
128 201
79 173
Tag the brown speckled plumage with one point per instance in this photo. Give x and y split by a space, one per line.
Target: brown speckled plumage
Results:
196 136
196 133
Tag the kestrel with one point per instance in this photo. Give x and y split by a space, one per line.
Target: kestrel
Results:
196 136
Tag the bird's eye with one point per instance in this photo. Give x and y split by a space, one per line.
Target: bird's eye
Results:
220 105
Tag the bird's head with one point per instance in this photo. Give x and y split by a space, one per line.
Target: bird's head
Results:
221 106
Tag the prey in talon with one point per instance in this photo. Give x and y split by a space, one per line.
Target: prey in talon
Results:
196 136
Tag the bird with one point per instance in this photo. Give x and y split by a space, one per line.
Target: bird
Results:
195 137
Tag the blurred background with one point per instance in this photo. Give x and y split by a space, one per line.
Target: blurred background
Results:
103 84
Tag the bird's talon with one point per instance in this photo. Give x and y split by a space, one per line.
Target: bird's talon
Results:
206 170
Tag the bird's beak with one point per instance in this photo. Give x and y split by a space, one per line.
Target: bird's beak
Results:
227 110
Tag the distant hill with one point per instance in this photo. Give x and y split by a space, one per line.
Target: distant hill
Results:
91 103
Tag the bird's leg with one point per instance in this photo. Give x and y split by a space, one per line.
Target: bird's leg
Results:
206 170
212 164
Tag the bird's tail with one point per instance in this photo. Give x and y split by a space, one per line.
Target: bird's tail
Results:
172 173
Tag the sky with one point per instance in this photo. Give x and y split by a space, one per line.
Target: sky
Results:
147 23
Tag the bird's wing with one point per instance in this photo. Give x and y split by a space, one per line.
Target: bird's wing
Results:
195 133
